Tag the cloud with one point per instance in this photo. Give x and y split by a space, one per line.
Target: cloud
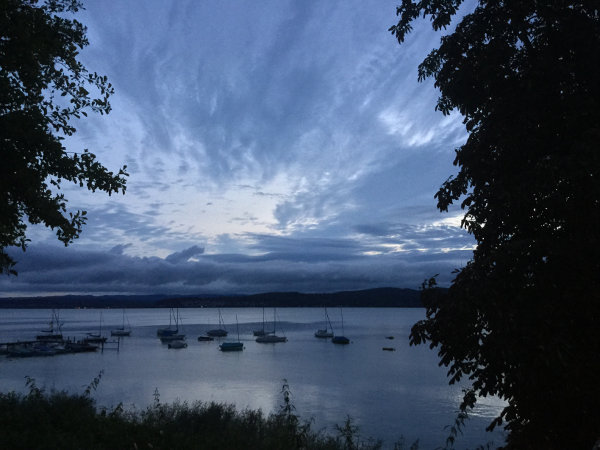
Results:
301 153
118 249
378 255
184 255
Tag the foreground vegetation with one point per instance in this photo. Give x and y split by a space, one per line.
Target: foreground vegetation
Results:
59 420
524 77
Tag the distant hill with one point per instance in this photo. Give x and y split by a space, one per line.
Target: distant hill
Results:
82 301
380 297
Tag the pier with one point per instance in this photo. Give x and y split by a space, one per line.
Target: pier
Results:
44 347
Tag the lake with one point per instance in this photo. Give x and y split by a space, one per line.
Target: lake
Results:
387 393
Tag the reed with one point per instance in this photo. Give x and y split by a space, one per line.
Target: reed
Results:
59 420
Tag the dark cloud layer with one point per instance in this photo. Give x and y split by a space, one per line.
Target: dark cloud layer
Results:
278 264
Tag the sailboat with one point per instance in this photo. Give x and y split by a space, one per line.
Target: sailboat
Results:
218 332
96 338
271 337
169 335
261 332
233 346
341 339
54 330
122 331
326 332
177 343
169 331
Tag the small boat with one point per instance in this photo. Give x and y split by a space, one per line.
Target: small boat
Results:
271 337
326 332
218 332
53 332
323 333
174 337
58 347
20 351
167 335
262 331
205 338
122 331
80 347
41 349
96 338
170 331
233 346
178 343
341 339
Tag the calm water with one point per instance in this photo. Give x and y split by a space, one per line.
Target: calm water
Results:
388 394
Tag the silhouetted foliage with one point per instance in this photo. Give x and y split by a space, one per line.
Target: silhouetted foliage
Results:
521 320
43 87
58 420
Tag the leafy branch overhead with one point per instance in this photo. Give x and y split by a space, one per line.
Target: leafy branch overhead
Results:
522 319
43 89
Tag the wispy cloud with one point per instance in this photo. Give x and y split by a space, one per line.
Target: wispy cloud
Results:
274 144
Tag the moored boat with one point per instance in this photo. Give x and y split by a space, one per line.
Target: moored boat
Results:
120 333
323 333
261 332
167 335
169 331
96 338
54 331
177 343
341 339
80 347
326 332
122 330
20 351
233 346
42 349
218 332
271 337
172 338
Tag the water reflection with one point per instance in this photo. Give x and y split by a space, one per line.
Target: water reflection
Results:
387 393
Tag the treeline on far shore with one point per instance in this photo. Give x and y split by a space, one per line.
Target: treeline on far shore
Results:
373 298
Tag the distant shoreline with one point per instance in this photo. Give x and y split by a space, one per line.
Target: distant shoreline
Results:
370 298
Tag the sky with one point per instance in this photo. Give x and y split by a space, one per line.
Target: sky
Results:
272 146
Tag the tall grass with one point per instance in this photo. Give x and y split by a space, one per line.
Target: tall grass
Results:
59 420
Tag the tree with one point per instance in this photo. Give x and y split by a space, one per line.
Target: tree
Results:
43 88
522 319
